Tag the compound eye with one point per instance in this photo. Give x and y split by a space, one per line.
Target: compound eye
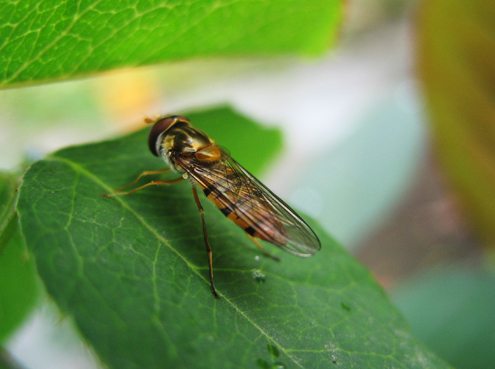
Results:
158 128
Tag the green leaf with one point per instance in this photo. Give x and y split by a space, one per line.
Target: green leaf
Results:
133 273
7 361
456 51
60 39
19 286
8 219
451 309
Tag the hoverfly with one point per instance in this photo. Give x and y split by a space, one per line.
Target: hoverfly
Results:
239 196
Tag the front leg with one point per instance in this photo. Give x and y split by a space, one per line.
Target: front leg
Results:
147 173
152 183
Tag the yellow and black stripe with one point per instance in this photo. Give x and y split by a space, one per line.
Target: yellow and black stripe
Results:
235 214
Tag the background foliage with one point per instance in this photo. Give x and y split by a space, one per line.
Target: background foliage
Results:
456 58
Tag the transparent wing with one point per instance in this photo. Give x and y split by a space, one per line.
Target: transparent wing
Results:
251 205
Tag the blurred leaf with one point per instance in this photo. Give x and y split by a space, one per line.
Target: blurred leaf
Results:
456 62
132 271
8 219
19 288
451 309
7 361
60 39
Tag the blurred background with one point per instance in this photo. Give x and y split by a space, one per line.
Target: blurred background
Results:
388 142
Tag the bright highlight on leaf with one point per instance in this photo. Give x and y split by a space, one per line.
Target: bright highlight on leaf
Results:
132 273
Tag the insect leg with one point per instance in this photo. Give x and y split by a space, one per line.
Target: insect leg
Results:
152 183
208 248
142 175
262 249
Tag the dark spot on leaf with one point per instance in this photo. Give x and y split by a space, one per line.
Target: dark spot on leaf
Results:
345 306
263 364
273 350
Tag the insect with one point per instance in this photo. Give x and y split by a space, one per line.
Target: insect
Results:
239 195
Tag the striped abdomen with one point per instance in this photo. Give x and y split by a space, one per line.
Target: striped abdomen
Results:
248 212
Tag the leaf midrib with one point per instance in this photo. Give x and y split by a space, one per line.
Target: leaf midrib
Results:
107 188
